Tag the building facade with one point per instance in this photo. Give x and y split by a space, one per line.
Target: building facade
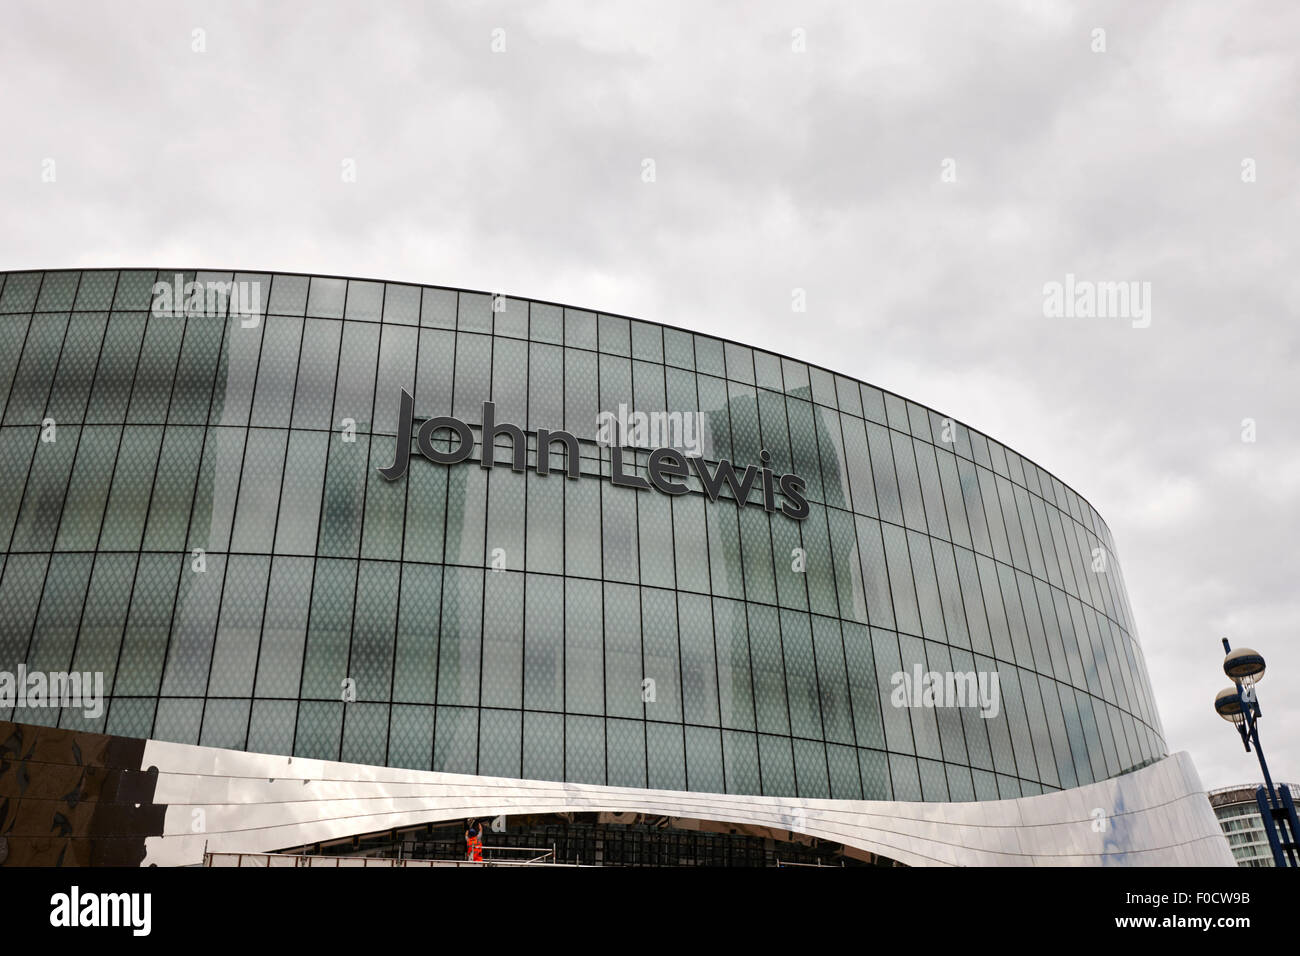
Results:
1238 813
258 506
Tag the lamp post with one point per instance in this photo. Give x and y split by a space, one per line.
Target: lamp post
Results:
1239 705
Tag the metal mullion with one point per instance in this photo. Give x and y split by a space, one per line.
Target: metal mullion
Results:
640 585
708 563
780 628
320 521
812 629
270 565
853 525
600 496
401 548
744 589
225 572
487 453
523 604
446 503
564 556
744 581
365 492
672 536
45 414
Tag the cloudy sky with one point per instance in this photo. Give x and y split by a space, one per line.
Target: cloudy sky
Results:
921 170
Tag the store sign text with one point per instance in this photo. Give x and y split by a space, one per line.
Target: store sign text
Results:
666 466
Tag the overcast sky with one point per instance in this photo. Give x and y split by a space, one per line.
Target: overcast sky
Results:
794 146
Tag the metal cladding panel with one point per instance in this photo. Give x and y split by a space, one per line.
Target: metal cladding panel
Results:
251 803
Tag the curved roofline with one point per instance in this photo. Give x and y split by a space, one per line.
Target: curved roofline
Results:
1251 787
578 308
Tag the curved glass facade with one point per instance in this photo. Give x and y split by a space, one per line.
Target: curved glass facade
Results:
191 504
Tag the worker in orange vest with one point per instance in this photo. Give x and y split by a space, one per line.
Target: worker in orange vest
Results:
474 842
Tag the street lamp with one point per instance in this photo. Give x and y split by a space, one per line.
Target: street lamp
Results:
1239 705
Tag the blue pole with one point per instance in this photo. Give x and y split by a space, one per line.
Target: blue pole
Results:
1277 813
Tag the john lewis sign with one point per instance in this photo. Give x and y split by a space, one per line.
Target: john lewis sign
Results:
667 466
